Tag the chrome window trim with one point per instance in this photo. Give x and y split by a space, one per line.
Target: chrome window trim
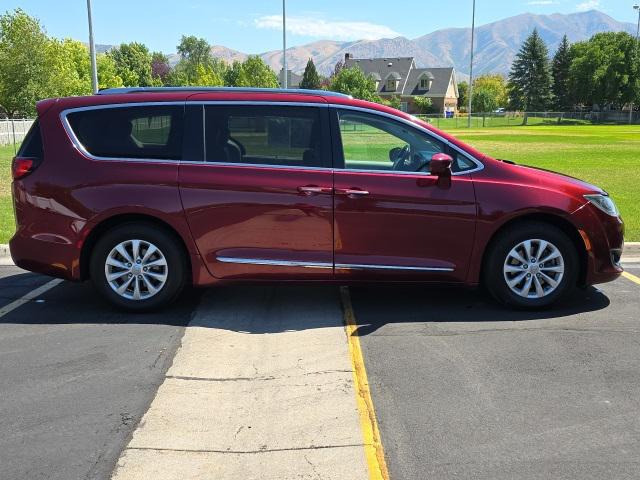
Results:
278 263
478 163
76 143
363 266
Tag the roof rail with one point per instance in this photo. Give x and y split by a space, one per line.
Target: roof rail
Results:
301 91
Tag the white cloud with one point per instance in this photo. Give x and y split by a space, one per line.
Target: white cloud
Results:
541 2
314 27
588 5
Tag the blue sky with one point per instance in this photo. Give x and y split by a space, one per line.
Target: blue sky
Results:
253 26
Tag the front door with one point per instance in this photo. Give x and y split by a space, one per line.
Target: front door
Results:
393 220
259 203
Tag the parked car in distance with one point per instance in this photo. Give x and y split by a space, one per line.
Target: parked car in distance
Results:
147 190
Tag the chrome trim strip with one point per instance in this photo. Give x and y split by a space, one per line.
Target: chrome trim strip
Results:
359 266
279 263
479 164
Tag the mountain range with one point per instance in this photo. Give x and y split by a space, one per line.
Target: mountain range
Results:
496 44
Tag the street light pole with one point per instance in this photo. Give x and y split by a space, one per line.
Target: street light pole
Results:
284 45
470 91
635 7
92 52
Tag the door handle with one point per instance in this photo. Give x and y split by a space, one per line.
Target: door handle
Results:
314 190
352 192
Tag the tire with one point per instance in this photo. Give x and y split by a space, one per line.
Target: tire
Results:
534 285
155 280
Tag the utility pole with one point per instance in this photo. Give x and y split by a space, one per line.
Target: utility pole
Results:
470 91
284 45
92 52
635 7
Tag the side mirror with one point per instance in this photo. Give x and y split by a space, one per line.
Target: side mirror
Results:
441 165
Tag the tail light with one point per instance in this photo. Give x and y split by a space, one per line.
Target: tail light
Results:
23 166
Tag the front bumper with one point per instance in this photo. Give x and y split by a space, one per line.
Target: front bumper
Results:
603 237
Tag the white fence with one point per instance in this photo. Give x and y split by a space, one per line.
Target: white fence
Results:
14 130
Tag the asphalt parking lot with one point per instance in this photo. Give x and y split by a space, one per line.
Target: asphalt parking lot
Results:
461 387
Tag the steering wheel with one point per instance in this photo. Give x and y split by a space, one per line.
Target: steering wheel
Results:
402 155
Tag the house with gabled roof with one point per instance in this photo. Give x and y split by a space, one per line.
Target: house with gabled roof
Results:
401 78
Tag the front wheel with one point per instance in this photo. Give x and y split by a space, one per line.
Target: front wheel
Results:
532 265
138 267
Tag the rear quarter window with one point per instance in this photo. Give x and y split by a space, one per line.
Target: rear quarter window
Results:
32 144
141 132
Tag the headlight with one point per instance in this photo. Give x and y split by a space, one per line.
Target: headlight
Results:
604 203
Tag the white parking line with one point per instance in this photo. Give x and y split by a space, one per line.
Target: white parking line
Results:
29 296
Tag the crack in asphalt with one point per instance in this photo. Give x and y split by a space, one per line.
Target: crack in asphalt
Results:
261 450
222 379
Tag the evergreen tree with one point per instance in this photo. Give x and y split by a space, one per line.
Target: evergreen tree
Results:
561 65
310 79
530 78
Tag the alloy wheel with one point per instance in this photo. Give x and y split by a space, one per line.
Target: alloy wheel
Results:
533 268
136 269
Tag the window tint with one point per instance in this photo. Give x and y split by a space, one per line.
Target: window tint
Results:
289 136
32 144
373 142
153 132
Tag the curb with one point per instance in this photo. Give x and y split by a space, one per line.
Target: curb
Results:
631 252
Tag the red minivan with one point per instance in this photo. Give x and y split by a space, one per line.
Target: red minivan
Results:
147 190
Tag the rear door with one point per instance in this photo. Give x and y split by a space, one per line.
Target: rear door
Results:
256 187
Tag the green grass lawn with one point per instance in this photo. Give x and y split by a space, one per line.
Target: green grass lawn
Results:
7 223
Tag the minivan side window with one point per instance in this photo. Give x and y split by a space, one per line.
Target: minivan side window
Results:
374 142
134 132
264 135
32 144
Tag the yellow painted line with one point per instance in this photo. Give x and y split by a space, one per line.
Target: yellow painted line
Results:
29 296
631 277
373 450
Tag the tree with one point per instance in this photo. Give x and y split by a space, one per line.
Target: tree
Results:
530 77
160 68
354 82
310 79
423 104
197 66
560 70
133 64
606 70
23 63
232 75
69 68
194 51
463 91
489 93
256 73
107 74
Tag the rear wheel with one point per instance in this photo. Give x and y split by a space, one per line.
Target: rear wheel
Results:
138 266
532 265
